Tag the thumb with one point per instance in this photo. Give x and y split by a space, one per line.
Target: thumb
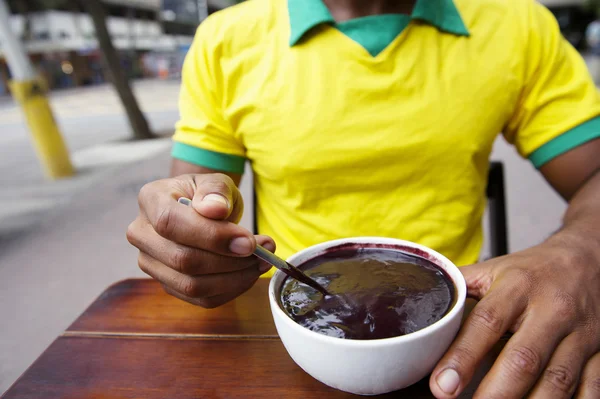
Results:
217 197
479 279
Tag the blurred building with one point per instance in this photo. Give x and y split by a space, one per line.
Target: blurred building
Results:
573 16
152 37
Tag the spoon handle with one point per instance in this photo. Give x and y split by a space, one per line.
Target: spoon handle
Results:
269 257
260 251
272 259
290 270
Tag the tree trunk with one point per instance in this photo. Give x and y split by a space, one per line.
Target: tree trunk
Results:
138 122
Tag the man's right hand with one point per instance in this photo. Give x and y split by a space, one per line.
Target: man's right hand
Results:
198 252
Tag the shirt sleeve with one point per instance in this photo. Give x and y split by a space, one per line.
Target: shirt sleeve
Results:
559 103
203 136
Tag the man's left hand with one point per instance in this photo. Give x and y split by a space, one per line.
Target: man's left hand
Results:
549 297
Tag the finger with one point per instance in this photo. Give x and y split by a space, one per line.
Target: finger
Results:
269 244
164 191
589 386
210 302
479 278
525 355
204 286
486 324
184 225
189 260
560 377
217 197
185 259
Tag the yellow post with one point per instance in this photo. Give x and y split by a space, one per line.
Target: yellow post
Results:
30 92
48 143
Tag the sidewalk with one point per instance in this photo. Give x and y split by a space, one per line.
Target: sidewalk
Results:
50 274
62 242
95 129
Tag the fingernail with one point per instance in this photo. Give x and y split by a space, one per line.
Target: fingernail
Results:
241 246
269 245
448 381
216 198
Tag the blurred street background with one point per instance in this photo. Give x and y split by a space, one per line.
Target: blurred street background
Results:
62 241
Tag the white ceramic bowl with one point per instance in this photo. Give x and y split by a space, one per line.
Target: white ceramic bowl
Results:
369 367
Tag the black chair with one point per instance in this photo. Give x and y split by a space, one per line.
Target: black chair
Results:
496 211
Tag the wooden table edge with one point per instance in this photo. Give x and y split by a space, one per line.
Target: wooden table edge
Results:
101 334
166 336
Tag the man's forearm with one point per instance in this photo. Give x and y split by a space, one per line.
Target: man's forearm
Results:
581 221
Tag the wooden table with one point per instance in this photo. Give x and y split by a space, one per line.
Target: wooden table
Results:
135 341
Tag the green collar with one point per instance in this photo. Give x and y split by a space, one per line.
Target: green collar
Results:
306 14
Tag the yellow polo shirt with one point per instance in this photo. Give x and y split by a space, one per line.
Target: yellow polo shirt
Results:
382 125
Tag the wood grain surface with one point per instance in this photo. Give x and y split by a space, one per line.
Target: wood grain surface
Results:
141 306
128 367
135 341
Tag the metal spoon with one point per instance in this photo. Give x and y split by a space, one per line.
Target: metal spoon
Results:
269 257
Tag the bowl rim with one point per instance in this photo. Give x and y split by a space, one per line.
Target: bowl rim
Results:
457 278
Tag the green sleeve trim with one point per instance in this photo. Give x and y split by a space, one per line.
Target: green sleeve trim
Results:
209 159
573 138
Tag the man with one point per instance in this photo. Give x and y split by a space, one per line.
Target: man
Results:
377 118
